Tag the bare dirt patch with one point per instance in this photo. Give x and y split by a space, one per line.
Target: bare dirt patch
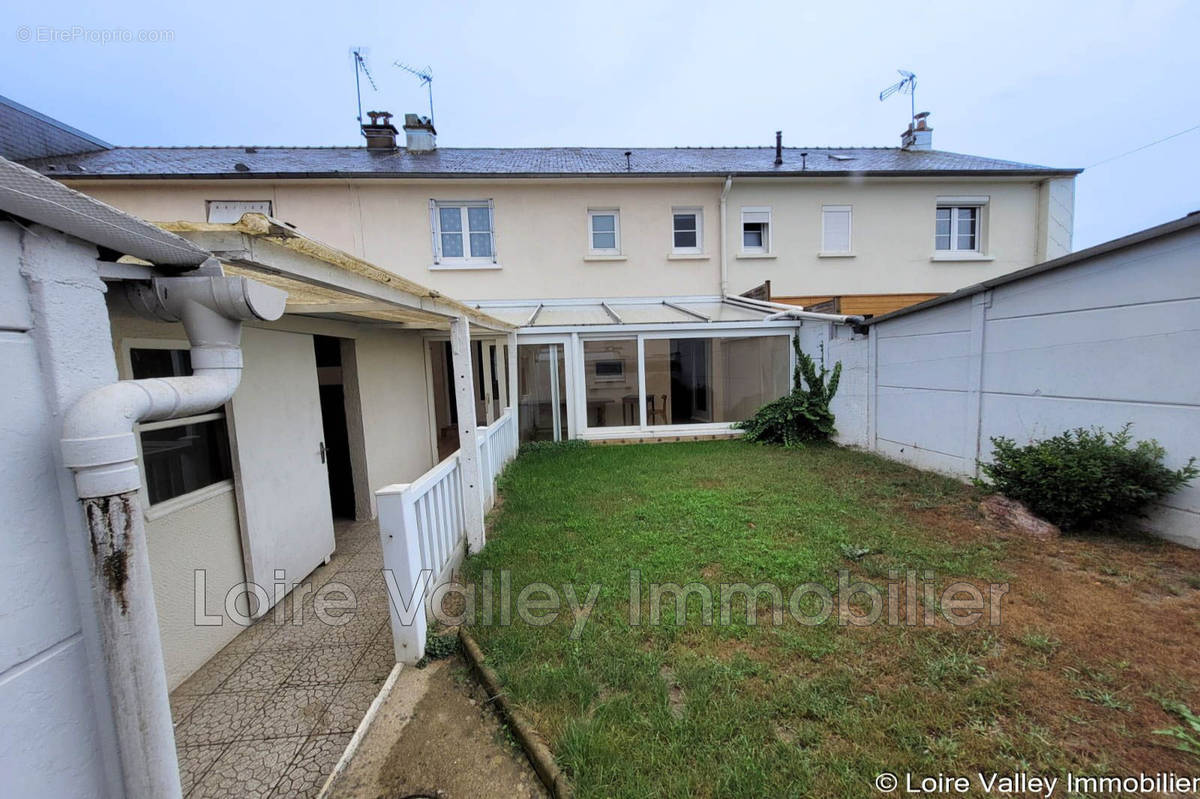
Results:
1096 632
440 739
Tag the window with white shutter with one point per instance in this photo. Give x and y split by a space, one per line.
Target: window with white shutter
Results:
835 229
756 231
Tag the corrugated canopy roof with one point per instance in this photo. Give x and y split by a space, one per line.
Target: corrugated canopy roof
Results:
324 281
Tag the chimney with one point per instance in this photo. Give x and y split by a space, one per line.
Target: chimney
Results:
419 135
779 148
919 135
380 133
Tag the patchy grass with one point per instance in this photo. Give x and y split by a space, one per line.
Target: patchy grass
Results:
1097 635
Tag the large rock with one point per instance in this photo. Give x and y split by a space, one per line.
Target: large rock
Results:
1014 514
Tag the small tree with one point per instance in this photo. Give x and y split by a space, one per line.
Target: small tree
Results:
803 414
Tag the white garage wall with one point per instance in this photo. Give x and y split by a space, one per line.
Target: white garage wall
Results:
1113 338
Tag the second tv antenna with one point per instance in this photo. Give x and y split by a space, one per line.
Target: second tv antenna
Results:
907 85
425 76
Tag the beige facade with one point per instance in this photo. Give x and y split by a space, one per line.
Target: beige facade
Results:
542 236
891 235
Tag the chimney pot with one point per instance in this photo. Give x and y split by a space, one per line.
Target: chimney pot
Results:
380 132
419 134
919 135
779 148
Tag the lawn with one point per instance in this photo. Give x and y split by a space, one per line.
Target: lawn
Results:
1096 634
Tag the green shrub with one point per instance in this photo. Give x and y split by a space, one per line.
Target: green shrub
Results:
1082 478
804 414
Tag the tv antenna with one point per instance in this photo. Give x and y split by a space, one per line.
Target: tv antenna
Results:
907 85
360 69
426 78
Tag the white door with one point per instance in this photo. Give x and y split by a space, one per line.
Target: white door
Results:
283 488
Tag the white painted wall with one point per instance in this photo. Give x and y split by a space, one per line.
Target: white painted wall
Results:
205 534
849 404
56 735
1109 340
195 537
395 407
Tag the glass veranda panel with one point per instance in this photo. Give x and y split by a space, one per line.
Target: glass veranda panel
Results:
611 383
703 380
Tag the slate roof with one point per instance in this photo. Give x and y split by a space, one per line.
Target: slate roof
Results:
359 162
25 134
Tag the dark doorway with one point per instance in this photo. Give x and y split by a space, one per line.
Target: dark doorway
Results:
333 420
690 380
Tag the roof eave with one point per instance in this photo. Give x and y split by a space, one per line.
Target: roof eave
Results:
811 173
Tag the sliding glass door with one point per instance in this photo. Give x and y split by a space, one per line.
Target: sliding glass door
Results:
542 384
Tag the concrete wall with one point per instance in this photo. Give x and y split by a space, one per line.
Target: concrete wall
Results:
202 532
842 345
542 239
1106 341
57 737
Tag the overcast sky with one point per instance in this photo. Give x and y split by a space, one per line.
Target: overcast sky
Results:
1062 84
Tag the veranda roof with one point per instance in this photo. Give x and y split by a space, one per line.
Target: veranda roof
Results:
530 315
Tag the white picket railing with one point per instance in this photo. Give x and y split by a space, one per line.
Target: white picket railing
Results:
424 533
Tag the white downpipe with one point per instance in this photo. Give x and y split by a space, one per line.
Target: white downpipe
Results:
100 447
724 236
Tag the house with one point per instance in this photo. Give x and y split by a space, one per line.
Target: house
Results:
206 395
600 254
865 230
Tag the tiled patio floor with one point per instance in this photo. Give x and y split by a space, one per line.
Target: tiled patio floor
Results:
271 713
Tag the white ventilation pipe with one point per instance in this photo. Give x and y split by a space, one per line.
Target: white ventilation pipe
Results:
725 235
99 445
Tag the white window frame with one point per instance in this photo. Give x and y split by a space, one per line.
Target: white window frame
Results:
264 207
699 248
615 213
955 205
168 506
468 260
766 248
838 209
642 426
